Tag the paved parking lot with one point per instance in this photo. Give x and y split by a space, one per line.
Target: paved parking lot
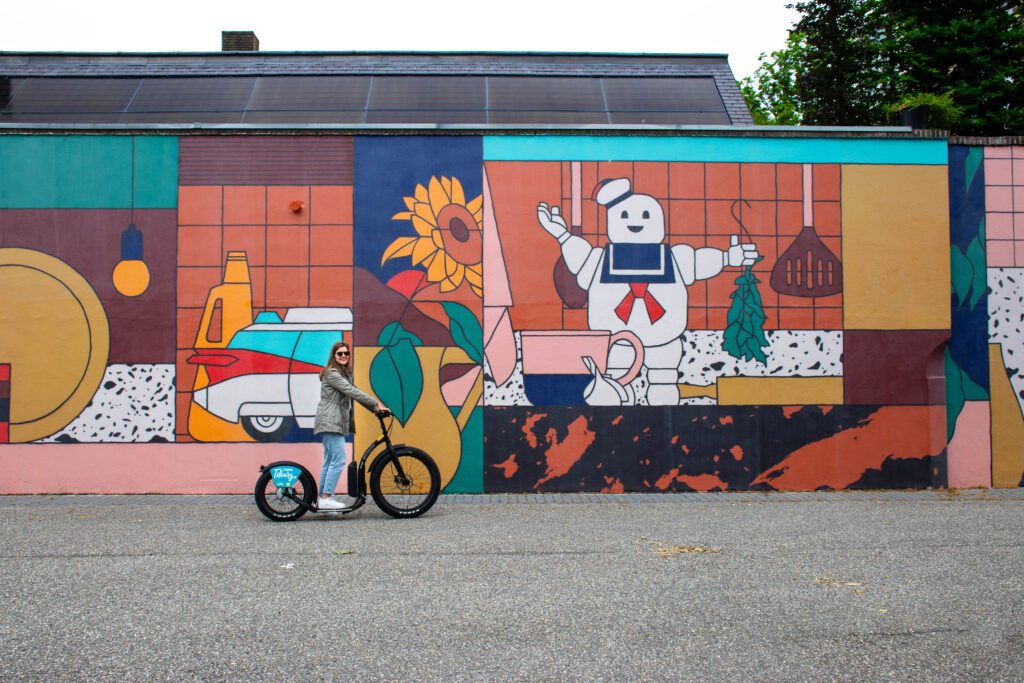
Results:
745 586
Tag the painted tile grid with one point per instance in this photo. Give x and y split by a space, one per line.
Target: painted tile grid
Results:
295 258
698 200
1004 205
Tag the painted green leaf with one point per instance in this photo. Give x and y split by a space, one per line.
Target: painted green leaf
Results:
466 331
961 273
397 378
392 333
976 256
954 395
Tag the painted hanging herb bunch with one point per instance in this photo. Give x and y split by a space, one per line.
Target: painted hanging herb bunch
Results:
744 330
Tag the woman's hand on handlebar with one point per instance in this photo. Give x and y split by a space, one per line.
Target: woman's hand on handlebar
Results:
381 410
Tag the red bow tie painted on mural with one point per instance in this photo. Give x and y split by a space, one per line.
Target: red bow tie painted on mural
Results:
638 290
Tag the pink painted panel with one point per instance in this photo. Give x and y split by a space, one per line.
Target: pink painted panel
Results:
146 468
998 198
1000 254
970 450
997 152
999 226
998 172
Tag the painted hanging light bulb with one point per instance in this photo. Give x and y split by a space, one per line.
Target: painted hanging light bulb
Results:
131 274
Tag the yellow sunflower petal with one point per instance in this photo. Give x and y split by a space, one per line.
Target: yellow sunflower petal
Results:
409 201
474 205
423 228
458 194
435 273
403 246
478 216
436 237
459 275
402 216
448 286
421 193
438 197
478 291
474 276
422 250
446 183
423 211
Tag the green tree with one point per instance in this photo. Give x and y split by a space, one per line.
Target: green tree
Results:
842 80
852 62
973 49
770 92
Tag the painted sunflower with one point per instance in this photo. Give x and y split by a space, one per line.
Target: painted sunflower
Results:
448 242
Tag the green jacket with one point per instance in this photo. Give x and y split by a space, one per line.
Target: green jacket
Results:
334 412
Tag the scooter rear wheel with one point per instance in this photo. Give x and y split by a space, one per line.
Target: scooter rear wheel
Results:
275 504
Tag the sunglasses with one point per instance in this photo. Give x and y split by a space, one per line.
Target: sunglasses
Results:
341 353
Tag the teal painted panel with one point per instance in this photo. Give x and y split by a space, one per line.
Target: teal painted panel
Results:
469 477
156 172
778 150
87 172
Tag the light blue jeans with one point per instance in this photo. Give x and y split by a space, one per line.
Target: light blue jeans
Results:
335 456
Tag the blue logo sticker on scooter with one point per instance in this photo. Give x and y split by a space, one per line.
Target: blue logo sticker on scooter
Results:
285 476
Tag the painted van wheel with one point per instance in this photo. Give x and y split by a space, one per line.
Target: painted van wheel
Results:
267 427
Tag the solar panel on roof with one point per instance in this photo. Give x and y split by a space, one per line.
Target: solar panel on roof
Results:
670 118
71 95
310 93
511 93
348 99
427 93
435 116
304 117
663 94
192 94
183 117
547 117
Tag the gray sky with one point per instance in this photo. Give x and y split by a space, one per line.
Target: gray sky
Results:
739 28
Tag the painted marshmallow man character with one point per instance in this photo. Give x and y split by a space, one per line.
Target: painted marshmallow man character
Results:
637 282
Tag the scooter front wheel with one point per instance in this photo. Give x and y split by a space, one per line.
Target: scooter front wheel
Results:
405 483
281 504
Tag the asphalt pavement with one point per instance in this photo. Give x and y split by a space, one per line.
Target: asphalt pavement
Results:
852 586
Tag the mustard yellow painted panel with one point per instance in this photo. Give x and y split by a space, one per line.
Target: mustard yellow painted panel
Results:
780 391
895 227
1007 424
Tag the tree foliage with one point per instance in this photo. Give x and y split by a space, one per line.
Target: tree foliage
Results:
850 62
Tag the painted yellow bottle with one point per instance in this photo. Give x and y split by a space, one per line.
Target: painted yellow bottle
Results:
234 296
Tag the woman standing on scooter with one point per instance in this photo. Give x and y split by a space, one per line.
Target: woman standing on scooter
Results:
334 418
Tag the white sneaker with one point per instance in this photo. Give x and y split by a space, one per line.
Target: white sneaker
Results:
330 504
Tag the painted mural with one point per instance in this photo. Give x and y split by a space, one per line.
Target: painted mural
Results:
541 313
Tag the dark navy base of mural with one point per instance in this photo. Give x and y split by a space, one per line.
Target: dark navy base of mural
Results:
708 448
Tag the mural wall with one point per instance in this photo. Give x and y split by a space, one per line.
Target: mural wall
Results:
985 387
542 313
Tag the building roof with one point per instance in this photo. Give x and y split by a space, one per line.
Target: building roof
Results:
355 88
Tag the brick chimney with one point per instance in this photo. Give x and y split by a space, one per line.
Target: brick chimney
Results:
239 41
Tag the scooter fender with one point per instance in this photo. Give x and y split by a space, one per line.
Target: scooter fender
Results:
285 473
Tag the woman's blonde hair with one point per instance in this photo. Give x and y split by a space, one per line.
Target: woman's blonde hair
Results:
332 361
